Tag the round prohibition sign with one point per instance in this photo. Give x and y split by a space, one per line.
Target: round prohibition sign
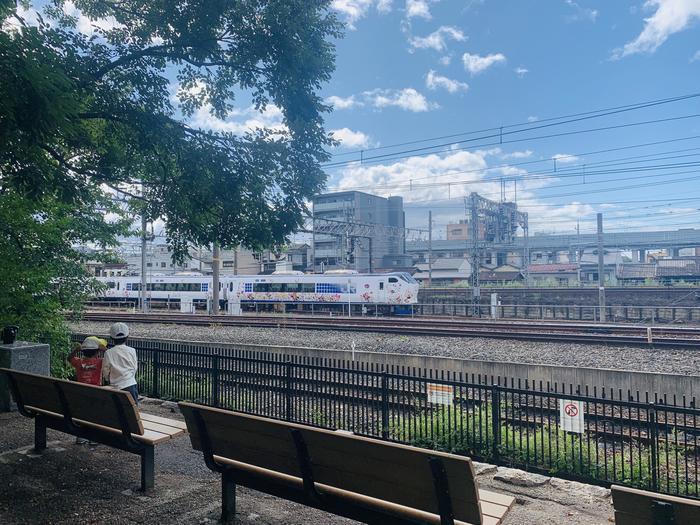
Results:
571 410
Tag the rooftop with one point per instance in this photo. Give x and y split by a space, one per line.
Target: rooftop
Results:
553 268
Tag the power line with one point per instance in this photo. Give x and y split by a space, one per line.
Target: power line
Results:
412 153
537 124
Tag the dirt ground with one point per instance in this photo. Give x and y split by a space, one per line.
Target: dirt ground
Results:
82 484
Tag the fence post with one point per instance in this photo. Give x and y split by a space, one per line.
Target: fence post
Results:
496 421
288 389
215 380
653 433
385 405
154 379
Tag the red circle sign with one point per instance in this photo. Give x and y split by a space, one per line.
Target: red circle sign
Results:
571 410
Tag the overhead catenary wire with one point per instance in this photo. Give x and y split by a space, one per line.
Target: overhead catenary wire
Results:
422 151
539 123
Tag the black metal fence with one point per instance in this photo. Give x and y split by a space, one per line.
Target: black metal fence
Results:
622 437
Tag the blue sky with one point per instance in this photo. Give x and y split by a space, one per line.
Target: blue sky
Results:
412 70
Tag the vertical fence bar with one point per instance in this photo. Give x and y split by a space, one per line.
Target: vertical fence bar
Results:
215 380
288 389
653 444
385 405
154 365
496 420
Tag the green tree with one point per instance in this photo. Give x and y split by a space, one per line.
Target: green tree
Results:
83 116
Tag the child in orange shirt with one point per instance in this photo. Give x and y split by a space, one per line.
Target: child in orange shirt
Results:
88 368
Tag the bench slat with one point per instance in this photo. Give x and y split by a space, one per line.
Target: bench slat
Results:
495 497
493 509
162 429
175 423
636 506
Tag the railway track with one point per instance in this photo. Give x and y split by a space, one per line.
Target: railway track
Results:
610 334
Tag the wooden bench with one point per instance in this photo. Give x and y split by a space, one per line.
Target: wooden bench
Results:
364 479
640 507
96 413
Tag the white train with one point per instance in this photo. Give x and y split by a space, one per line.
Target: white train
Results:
390 292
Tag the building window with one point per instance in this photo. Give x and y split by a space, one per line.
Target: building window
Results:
149 265
162 265
228 264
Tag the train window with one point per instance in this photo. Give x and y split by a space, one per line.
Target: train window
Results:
393 280
205 287
261 287
381 285
230 287
278 287
111 284
248 287
308 287
117 285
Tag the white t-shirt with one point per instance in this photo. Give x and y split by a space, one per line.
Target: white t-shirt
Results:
119 366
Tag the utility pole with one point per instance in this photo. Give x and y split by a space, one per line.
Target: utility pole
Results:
235 261
430 248
601 270
215 257
144 240
475 255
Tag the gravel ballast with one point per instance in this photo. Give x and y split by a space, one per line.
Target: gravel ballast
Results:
685 361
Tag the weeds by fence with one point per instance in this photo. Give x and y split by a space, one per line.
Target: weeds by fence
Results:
628 438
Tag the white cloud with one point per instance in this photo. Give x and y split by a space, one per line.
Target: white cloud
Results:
350 139
447 59
563 158
521 71
476 64
532 118
30 17
437 40
517 154
434 81
87 26
353 10
384 6
671 16
582 13
696 56
342 103
407 98
418 8
240 121
415 179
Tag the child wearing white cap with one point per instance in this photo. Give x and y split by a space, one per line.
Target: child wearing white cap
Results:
120 363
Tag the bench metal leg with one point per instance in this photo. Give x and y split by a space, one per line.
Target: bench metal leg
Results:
147 468
39 434
228 496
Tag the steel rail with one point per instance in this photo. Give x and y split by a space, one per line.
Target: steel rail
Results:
540 332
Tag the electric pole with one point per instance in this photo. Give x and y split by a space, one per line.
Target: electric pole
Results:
601 270
430 249
144 240
215 279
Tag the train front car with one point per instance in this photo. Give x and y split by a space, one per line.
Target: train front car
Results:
401 293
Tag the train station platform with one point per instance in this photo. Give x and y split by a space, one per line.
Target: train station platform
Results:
71 483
